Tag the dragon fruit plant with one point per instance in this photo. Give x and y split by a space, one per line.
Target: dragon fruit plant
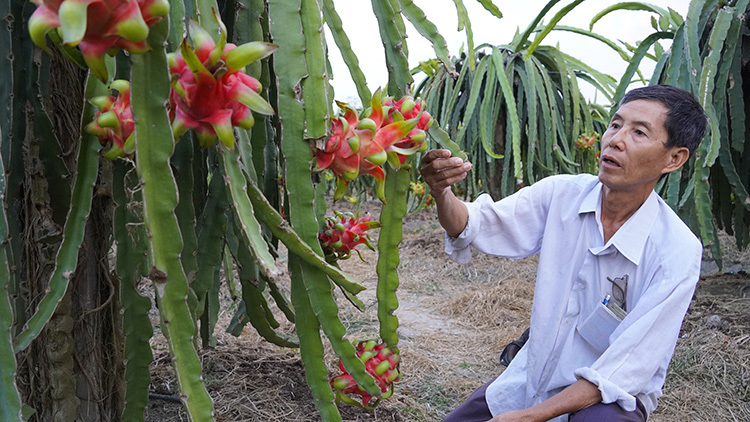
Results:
343 233
97 27
389 131
113 123
211 92
380 362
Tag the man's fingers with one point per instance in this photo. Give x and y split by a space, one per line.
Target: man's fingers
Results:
435 154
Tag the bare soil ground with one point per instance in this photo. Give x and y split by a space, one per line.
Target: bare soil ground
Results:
454 322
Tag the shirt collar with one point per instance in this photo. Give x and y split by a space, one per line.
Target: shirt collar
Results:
591 201
630 239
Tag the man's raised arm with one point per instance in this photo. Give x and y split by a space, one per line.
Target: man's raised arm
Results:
440 171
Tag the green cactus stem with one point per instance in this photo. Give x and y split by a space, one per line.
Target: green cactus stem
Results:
211 227
154 147
80 205
10 400
281 229
237 185
397 181
131 265
255 302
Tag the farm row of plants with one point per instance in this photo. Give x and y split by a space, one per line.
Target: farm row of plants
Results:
179 141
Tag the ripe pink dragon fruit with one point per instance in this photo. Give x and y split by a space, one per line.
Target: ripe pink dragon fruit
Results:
361 146
343 232
406 109
380 362
211 92
113 122
97 26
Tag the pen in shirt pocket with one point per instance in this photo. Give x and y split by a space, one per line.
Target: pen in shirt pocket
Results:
606 300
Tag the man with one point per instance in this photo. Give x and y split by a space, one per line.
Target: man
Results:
600 239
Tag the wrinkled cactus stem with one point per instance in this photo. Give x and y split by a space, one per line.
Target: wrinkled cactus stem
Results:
154 147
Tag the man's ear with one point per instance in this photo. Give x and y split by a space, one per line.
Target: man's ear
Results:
678 156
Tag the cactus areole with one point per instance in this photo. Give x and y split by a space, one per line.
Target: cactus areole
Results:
380 362
97 27
211 92
389 131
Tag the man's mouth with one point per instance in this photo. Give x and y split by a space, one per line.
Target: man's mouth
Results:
609 160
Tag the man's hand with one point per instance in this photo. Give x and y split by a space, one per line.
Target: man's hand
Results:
440 171
579 395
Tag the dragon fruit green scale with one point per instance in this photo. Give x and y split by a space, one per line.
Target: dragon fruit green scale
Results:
97 27
210 91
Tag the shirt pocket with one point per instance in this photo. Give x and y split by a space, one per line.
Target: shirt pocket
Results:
598 326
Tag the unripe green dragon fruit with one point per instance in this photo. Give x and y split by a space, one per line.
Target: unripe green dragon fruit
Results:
97 27
344 232
380 362
211 92
113 122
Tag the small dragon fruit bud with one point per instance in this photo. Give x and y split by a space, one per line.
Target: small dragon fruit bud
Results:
343 233
586 142
113 123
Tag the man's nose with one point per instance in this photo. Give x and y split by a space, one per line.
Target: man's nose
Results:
617 140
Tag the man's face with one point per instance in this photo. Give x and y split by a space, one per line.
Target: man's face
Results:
634 153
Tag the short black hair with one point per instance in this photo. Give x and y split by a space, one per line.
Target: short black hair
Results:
686 121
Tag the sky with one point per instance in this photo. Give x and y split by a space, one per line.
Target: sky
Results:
360 25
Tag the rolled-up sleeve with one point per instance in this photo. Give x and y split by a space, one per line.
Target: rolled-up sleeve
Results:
458 248
512 227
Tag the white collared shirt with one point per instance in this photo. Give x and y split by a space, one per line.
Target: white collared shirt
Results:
559 218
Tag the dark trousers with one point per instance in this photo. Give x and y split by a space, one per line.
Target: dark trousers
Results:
475 409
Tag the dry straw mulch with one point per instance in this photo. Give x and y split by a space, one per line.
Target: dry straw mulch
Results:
454 322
